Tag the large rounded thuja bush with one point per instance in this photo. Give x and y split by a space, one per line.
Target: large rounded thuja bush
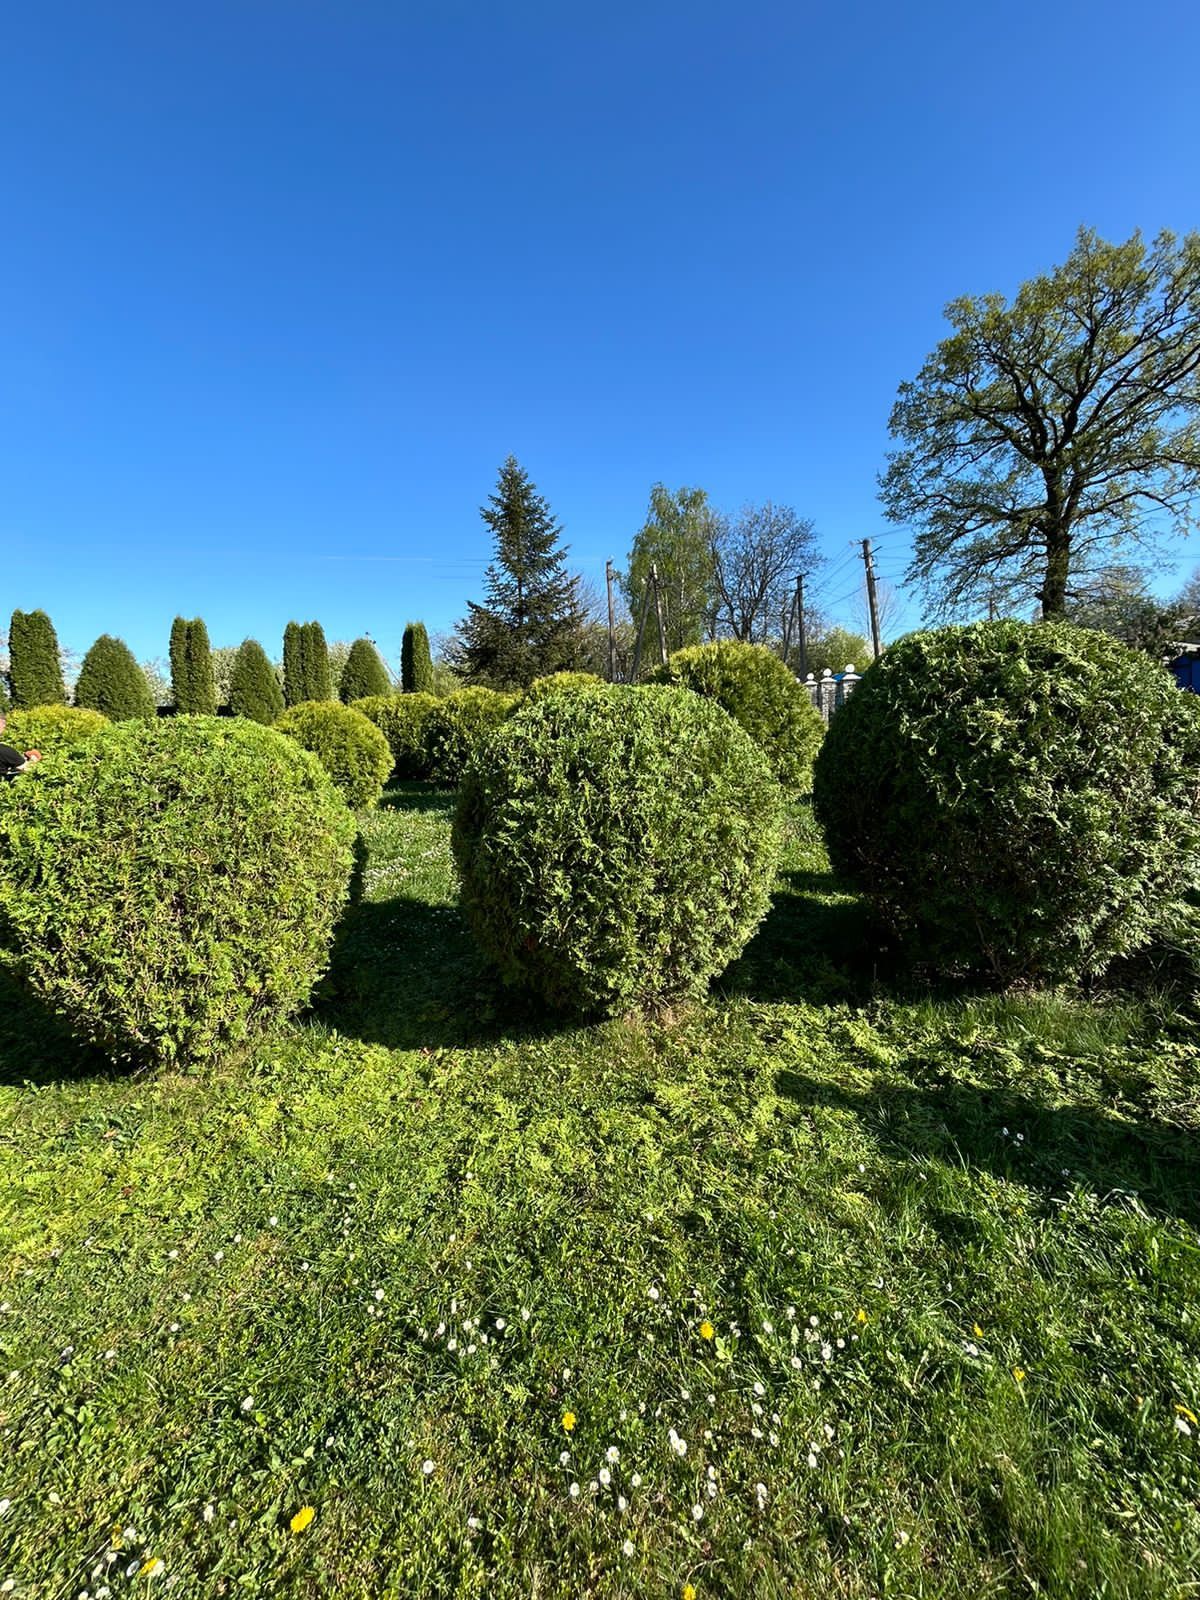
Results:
171 888
348 745
53 729
458 723
402 718
760 692
1014 798
617 849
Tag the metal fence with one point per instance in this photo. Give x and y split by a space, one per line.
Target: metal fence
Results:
830 691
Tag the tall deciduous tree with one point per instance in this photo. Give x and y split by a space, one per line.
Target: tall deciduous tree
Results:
756 556
677 540
35 669
111 681
416 664
254 690
1045 434
531 620
364 673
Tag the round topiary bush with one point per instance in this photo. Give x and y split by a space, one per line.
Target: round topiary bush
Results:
456 724
1014 798
401 718
171 888
760 692
617 850
556 682
53 729
348 745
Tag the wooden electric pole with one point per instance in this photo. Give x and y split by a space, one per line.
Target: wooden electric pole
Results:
872 600
662 632
612 626
801 640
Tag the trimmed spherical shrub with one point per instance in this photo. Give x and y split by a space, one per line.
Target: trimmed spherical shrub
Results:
1016 799
760 692
53 729
456 724
171 888
401 718
350 747
618 849
557 682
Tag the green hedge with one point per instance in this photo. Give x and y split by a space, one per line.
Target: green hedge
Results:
401 718
53 729
454 726
171 888
1013 798
556 682
755 687
349 746
617 849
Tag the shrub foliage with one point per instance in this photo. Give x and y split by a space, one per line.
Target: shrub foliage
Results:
351 748
456 724
254 690
193 685
34 668
416 665
364 673
556 682
110 681
53 729
757 690
306 674
401 718
617 849
171 888
1014 798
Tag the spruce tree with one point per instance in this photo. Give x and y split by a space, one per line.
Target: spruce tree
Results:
254 690
532 621
293 664
416 667
317 680
34 669
364 673
111 681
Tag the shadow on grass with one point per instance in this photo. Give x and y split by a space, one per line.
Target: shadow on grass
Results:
414 796
407 975
1154 1162
36 1048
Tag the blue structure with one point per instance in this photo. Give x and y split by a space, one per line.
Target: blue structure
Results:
1185 669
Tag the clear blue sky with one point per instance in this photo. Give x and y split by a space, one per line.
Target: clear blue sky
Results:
284 281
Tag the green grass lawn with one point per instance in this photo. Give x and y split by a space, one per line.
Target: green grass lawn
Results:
443 1270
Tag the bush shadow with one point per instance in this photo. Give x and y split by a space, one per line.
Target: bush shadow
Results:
1153 1162
35 1047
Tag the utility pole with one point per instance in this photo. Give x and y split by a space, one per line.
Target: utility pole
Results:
612 627
872 601
800 638
662 632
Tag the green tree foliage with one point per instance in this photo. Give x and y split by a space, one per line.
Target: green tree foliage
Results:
760 693
568 838
293 665
403 720
416 666
254 691
1047 430
835 648
457 724
1015 799
110 681
306 672
348 745
532 618
35 671
193 685
172 889
52 729
363 674
1118 601
677 539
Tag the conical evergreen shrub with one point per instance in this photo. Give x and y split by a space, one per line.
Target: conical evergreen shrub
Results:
293 665
317 677
364 673
254 691
111 681
35 674
416 666
192 682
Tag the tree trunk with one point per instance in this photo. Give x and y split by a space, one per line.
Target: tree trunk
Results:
1058 565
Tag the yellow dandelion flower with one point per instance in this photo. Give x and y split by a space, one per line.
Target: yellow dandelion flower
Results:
977 1331
302 1519
1184 1412
153 1568
1019 1374
689 1592
568 1420
707 1331
860 1315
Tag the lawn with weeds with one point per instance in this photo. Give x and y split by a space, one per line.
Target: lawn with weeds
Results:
829 1287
